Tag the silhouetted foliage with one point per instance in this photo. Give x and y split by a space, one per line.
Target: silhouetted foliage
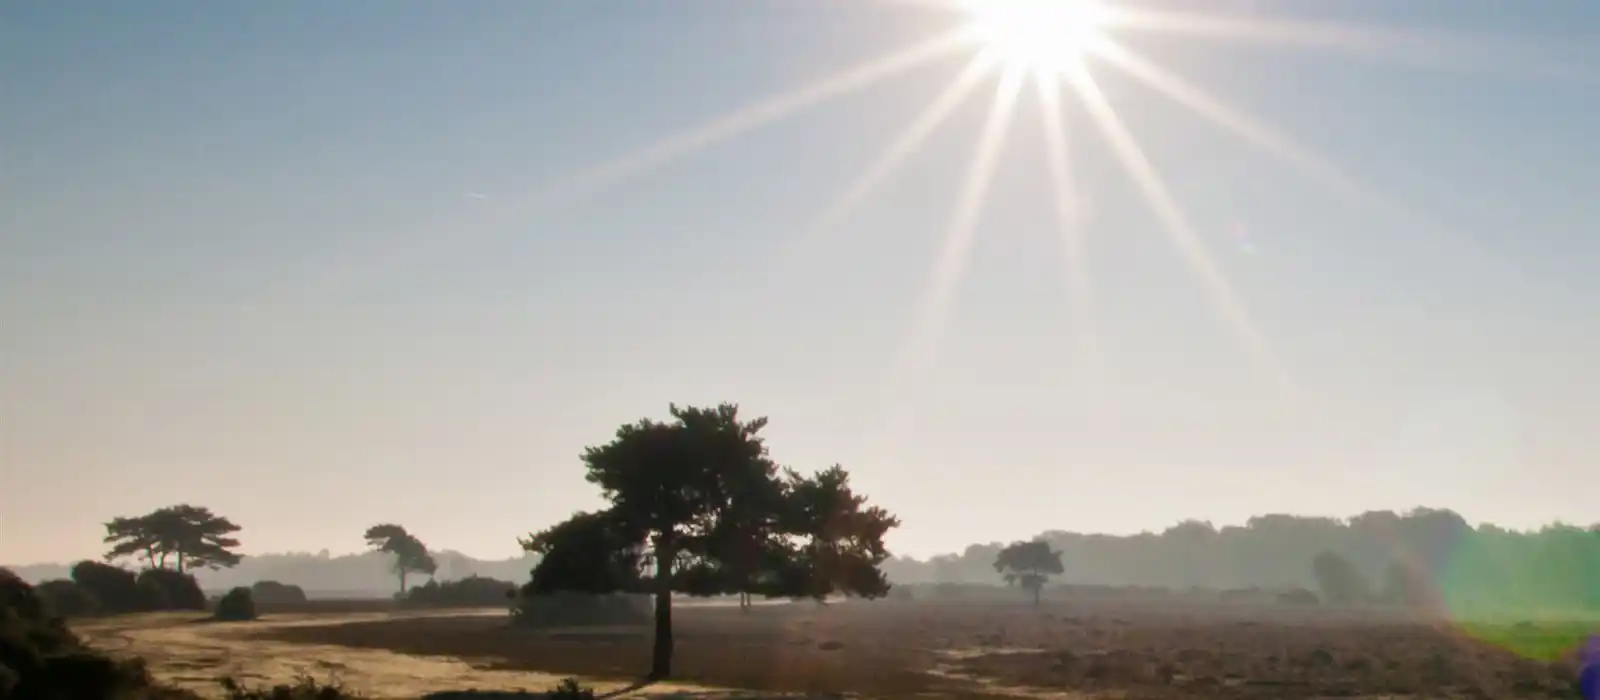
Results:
197 537
65 598
41 659
236 605
470 591
275 593
1028 565
834 539
570 689
586 553
179 591
1339 579
410 555
698 500
304 688
116 588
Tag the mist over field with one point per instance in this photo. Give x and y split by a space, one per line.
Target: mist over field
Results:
1269 551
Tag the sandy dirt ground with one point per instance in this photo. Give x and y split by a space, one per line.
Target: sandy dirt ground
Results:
193 652
868 650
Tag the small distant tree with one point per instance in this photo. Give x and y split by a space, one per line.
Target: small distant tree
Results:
410 555
1339 579
191 536
1029 565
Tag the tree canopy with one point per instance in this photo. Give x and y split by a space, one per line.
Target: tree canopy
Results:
197 537
411 556
1028 565
698 507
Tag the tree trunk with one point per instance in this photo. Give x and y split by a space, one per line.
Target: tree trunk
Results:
661 654
1036 591
150 555
180 561
402 583
163 559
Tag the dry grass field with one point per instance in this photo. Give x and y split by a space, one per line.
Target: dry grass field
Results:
883 650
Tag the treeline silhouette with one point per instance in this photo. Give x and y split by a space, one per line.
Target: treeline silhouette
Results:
1555 567
326 575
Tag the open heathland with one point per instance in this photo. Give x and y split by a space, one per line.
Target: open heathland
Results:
883 649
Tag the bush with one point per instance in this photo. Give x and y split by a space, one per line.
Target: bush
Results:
41 658
470 591
179 591
304 688
152 597
236 606
65 598
116 588
274 593
577 609
569 689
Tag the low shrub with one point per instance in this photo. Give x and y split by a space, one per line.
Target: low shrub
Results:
275 593
470 591
41 658
65 598
179 591
570 689
578 609
116 588
304 688
152 597
236 605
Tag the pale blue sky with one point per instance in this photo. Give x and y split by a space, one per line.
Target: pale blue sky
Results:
285 260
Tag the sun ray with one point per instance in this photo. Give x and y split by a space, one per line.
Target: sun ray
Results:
1279 145
1069 218
753 115
1233 119
906 143
952 257
1431 49
671 147
1172 217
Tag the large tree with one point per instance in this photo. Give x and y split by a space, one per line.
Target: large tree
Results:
697 507
193 537
411 556
1028 565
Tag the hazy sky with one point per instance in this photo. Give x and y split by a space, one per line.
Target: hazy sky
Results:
300 262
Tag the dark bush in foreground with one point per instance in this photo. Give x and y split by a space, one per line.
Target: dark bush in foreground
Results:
577 609
41 658
116 588
567 689
274 593
236 605
470 591
304 688
65 598
179 591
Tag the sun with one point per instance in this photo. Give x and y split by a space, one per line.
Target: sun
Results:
1043 36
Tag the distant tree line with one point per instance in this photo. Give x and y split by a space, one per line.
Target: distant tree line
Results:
1422 556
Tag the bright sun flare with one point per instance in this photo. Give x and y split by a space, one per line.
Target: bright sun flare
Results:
1044 36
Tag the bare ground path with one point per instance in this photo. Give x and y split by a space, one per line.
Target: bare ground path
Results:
195 653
